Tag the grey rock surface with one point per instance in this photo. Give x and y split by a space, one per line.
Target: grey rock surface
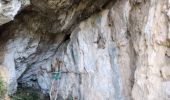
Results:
10 8
98 50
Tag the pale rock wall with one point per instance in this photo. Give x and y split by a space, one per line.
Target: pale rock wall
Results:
104 50
152 47
9 8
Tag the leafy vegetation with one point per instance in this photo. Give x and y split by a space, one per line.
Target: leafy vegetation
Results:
29 94
25 96
2 87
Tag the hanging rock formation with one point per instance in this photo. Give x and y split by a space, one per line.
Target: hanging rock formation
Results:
86 49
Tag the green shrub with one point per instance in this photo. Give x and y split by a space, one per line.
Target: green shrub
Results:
22 95
29 94
2 87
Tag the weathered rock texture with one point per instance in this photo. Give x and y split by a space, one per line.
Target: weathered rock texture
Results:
103 49
9 8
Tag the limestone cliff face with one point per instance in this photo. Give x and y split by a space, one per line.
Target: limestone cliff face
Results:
99 50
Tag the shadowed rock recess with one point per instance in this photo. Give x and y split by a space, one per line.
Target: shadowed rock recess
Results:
85 49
